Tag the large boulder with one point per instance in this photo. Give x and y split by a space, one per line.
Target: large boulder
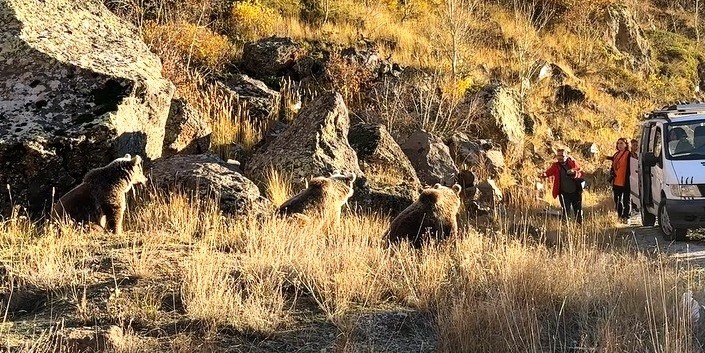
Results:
315 144
206 176
431 158
186 131
502 117
79 88
390 182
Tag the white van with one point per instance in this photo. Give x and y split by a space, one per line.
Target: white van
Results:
671 179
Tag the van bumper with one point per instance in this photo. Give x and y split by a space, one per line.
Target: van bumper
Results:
686 213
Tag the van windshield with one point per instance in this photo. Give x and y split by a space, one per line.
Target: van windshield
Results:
685 140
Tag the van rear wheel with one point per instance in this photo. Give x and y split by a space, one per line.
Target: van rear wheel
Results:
669 232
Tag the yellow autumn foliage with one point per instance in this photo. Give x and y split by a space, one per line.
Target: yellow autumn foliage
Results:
251 20
195 44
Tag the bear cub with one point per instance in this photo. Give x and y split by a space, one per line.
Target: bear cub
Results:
324 196
432 215
101 197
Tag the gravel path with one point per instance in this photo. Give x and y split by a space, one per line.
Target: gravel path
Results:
650 239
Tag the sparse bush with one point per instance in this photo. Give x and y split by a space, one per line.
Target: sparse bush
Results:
250 20
677 59
348 78
194 44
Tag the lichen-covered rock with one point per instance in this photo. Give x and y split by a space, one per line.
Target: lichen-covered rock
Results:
79 88
390 183
209 177
186 132
315 144
502 116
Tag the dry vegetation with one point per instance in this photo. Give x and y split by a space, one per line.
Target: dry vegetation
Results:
184 278
184 266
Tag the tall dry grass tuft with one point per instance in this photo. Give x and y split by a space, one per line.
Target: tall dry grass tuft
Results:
278 187
217 292
46 258
534 300
346 266
195 46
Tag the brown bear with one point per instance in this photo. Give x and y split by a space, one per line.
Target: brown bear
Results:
100 198
432 215
324 197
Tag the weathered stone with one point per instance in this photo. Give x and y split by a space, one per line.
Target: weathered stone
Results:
260 101
431 158
81 340
390 182
363 57
274 56
552 71
79 89
315 144
209 177
589 149
186 132
476 152
625 35
502 117
490 194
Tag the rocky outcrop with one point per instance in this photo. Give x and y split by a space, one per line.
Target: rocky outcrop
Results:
567 94
431 158
625 35
207 177
316 143
79 88
390 182
186 132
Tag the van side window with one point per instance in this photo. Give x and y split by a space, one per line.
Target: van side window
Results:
656 146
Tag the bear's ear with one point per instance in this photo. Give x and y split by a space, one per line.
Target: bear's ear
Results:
137 159
127 156
352 177
436 185
457 188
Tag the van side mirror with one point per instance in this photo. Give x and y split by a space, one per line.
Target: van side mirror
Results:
650 159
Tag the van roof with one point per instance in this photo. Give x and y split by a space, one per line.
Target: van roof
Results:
679 112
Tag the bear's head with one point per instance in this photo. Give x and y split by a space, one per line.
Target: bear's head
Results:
442 196
138 177
346 180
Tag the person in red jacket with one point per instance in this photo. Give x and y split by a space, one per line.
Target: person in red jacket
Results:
565 170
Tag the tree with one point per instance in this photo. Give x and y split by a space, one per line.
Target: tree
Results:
455 17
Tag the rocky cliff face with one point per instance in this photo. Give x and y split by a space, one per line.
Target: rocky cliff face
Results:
79 88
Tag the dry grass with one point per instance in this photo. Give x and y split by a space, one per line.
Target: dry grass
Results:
498 291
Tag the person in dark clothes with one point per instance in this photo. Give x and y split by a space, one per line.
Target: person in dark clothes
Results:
569 191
